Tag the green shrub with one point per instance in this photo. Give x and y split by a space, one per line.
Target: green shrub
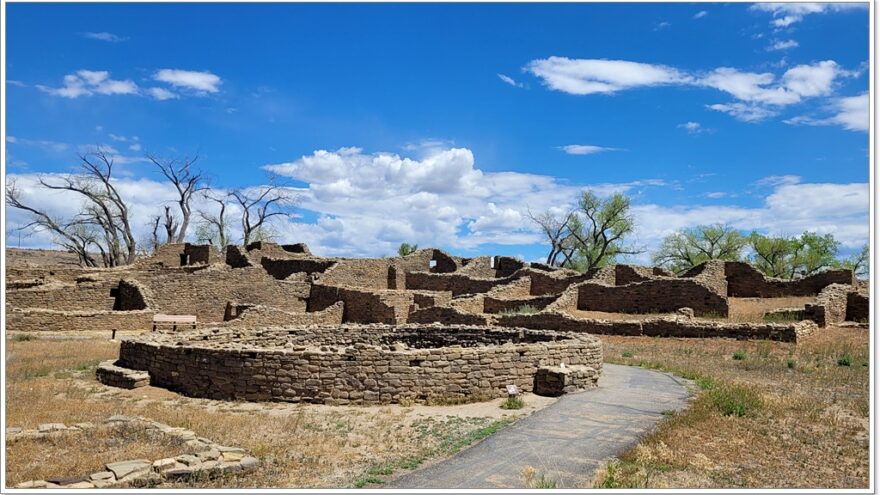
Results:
734 400
610 479
739 355
525 309
791 363
627 354
845 360
513 402
22 337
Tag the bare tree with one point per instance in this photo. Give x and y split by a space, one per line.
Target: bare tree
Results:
187 181
104 220
214 226
556 228
170 226
154 237
259 205
75 237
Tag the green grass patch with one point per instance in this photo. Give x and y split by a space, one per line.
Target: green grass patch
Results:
735 400
739 355
845 360
791 363
513 402
627 354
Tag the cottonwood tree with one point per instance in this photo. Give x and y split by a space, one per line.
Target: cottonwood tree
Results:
591 236
187 181
794 257
859 263
104 220
556 228
260 204
75 237
407 249
682 250
214 227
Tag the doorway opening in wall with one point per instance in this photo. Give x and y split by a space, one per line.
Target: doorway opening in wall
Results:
184 259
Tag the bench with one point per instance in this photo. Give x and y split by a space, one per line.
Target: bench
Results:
173 321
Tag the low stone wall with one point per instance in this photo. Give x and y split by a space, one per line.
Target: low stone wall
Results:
357 365
88 294
363 305
110 374
264 316
652 296
671 326
47 320
455 283
447 316
744 280
494 305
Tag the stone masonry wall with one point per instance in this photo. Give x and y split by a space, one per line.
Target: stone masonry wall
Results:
205 293
361 373
44 320
744 280
263 316
88 295
651 296
661 327
363 306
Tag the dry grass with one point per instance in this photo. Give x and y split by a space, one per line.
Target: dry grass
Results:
52 381
62 453
806 421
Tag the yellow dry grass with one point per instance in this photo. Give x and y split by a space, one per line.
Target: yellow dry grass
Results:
62 454
52 381
809 427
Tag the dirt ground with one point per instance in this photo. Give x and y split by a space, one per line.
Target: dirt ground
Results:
52 381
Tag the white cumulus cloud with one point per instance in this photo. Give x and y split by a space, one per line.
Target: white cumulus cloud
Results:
89 82
585 149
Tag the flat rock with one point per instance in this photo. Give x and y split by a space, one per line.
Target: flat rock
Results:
232 456
102 476
13 430
66 480
81 484
175 474
119 418
249 463
209 455
47 427
124 468
163 465
188 459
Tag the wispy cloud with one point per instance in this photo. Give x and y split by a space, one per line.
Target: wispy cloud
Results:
779 45
659 26
850 112
692 127
89 82
585 149
104 36
509 80
199 81
786 14
700 14
40 143
589 76
162 94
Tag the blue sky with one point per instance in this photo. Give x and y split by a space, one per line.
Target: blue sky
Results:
443 124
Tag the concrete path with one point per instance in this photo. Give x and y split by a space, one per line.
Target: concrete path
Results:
566 441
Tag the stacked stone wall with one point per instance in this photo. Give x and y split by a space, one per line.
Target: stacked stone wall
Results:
46 320
398 364
88 295
363 306
263 316
652 296
857 307
744 280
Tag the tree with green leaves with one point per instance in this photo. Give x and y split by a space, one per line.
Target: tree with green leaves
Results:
794 257
682 250
859 263
407 249
591 236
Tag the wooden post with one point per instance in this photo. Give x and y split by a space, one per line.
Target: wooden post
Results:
113 336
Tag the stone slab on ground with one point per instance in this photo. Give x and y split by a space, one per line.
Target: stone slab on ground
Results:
567 441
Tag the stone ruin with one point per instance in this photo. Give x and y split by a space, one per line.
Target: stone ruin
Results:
315 325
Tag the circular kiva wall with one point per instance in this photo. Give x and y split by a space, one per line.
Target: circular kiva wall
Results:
355 364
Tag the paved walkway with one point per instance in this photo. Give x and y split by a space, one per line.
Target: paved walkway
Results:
566 441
